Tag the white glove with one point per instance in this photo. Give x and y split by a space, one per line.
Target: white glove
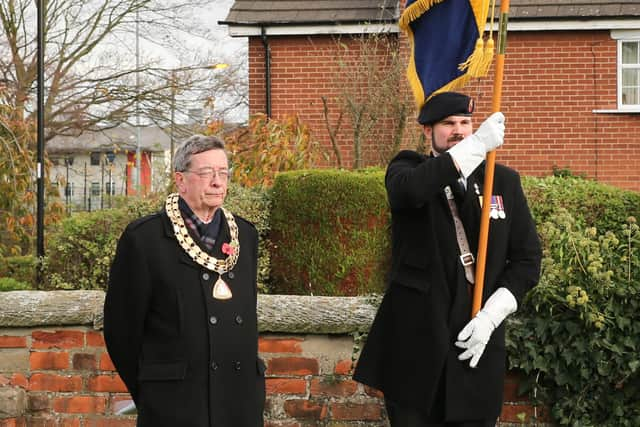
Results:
472 150
475 335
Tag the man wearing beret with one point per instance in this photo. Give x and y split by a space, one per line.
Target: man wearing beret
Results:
435 364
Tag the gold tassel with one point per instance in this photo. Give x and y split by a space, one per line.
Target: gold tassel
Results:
479 62
489 51
476 57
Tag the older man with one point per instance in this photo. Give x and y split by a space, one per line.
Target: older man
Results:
435 365
180 319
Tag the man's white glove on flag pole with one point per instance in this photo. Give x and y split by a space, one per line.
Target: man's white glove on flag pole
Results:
472 150
475 335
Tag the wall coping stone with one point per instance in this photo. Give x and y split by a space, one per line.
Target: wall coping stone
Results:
276 313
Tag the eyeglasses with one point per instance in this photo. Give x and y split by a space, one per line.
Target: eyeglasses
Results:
210 174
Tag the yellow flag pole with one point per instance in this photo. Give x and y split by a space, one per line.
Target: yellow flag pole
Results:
490 163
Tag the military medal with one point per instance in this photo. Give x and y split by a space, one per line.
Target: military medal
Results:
501 213
221 290
493 212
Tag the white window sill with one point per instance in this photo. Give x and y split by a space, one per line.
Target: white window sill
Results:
625 111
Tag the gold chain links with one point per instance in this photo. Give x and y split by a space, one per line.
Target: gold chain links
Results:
196 253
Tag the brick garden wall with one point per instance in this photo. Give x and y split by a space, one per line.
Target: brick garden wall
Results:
553 82
54 376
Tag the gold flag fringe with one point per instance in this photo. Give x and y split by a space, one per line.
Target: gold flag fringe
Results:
414 11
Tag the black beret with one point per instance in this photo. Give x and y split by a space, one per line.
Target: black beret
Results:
443 105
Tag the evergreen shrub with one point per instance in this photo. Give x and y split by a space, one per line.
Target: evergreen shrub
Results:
577 334
329 232
80 250
21 268
11 284
591 203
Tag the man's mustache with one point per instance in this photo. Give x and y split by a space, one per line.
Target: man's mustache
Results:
456 137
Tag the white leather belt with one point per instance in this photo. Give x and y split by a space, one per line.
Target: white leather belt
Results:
466 258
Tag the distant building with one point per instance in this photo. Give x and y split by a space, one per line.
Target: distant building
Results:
94 166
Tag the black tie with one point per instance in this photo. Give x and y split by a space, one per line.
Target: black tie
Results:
459 189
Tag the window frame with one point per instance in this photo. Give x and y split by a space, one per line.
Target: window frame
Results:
110 188
619 68
95 158
95 189
69 189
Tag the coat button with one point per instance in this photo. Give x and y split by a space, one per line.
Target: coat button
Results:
231 275
239 319
205 276
214 366
237 366
213 320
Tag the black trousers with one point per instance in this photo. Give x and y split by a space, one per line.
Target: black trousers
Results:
409 417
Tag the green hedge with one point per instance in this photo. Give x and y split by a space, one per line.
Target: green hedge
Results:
577 335
591 203
19 268
329 232
11 284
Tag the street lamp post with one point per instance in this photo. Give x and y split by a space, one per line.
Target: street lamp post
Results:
173 123
138 142
111 156
68 161
40 143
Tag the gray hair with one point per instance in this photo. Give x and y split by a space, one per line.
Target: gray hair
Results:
193 145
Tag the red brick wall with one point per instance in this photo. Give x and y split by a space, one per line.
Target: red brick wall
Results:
69 380
303 70
553 81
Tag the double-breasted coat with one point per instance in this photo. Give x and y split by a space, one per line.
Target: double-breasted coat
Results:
410 354
188 359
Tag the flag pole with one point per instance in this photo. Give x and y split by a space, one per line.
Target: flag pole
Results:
490 163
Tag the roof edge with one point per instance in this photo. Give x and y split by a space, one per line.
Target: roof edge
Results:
527 24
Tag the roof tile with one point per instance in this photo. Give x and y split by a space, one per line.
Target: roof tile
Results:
298 12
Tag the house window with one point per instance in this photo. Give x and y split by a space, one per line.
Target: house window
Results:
110 188
95 188
95 159
629 81
68 189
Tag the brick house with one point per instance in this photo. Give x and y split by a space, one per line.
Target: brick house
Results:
571 89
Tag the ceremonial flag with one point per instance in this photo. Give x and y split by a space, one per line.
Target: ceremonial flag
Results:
447 47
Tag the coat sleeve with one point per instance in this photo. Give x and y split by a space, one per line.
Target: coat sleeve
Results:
125 308
412 179
524 253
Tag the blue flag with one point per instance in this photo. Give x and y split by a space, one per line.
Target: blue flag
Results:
447 48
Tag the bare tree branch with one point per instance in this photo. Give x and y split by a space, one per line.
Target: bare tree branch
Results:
90 72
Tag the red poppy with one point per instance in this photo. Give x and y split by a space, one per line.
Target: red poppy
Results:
227 249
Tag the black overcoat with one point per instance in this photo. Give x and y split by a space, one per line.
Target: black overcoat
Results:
188 359
410 348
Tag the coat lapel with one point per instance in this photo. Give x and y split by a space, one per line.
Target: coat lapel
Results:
224 236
